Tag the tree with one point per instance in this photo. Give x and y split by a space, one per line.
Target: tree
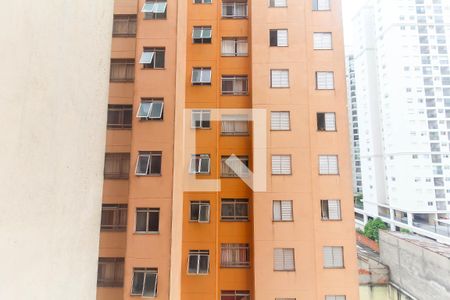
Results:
372 228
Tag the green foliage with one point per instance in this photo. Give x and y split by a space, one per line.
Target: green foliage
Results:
403 230
372 228
360 231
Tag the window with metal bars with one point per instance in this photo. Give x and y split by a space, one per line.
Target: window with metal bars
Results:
119 116
117 166
114 217
110 272
235 255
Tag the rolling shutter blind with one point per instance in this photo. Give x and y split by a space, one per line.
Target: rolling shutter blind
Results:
281 164
280 120
334 209
330 122
286 210
280 78
278 261
282 37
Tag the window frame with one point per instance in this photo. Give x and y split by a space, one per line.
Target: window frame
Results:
242 158
231 121
201 204
324 128
119 219
149 155
152 101
152 65
201 82
272 4
236 41
129 70
281 173
204 123
326 217
328 156
198 170
234 4
318 88
131 24
234 79
234 202
322 48
272 71
201 39
315 6
283 251
281 219
237 294
232 247
148 212
124 161
147 272
277 32
118 265
121 110
280 127
151 15
198 254
334 264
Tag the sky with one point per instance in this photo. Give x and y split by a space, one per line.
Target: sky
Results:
349 8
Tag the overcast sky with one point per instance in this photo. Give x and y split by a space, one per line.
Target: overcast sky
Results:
349 7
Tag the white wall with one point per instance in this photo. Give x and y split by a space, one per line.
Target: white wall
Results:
53 96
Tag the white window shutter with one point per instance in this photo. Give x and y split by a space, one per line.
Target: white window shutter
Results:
338 257
289 261
278 259
323 4
333 164
279 3
277 210
285 164
280 120
330 121
334 209
327 257
282 37
325 80
286 210
322 40
280 78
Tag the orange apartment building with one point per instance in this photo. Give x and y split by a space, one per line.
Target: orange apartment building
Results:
175 59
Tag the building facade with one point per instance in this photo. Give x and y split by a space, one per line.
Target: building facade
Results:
202 94
401 66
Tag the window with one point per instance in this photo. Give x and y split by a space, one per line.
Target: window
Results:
234 46
282 211
234 9
322 40
330 210
124 26
234 295
110 272
278 37
155 10
200 164
279 78
281 165
326 121
117 165
201 119
122 70
333 257
151 109
149 163
201 35
321 4
198 262
235 255
283 259
202 1
234 124
201 76
153 58
234 166
145 281
280 120
335 297
147 220
119 116
328 165
278 3
114 217
234 85
200 211
324 80
234 210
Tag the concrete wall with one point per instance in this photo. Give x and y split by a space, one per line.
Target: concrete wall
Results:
417 270
53 96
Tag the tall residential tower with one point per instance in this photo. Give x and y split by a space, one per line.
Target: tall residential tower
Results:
204 93
402 77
